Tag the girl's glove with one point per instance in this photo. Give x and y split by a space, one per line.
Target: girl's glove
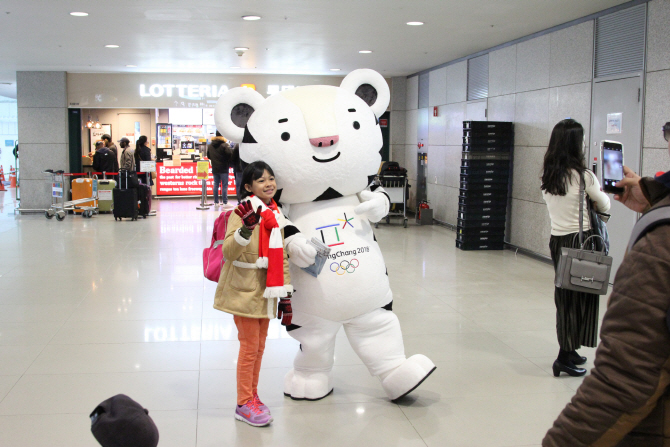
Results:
250 218
284 311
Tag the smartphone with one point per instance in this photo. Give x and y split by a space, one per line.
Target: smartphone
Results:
611 154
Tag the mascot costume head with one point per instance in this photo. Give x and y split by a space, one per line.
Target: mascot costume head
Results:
323 143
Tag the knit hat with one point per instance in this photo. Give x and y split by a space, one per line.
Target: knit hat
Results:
121 422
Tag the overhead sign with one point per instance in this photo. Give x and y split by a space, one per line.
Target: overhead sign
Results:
166 90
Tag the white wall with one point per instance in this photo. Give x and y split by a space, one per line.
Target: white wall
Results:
9 130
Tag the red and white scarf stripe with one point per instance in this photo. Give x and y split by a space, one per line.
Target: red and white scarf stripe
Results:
271 248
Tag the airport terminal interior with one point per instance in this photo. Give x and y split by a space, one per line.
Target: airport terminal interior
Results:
453 119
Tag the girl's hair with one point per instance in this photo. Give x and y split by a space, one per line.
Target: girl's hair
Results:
252 172
140 142
564 155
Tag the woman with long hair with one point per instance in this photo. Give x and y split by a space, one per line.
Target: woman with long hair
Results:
143 153
564 167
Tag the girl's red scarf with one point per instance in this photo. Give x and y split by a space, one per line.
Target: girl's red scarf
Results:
271 249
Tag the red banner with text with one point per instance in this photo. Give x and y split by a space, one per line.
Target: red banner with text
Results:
182 180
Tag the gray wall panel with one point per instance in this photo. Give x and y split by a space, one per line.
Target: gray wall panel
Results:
656 112
532 64
41 89
455 116
501 108
572 55
424 86
437 127
411 129
35 194
43 125
502 71
35 158
532 118
422 127
655 160
527 173
399 93
398 127
457 82
531 226
571 101
438 87
658 37
412 93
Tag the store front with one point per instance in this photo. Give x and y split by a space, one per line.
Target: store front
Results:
174 111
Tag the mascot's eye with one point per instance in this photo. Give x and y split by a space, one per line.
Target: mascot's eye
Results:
357 125
285 136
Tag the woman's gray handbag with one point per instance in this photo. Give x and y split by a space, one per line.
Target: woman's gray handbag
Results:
580 269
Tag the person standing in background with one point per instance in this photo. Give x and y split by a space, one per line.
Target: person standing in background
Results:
104 159
128 155
624 401
219 152
564 169
238 167
143 153
110 145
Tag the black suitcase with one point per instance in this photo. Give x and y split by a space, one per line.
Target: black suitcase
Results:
125 203
127 179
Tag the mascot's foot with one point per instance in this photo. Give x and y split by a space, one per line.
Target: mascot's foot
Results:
408 376
307 385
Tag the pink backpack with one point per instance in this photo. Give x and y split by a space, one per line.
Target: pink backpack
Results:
212 257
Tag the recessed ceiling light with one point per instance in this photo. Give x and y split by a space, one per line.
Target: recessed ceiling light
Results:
111 46
415 23
131 66
365 51
79 14
241 48
334 69
251 17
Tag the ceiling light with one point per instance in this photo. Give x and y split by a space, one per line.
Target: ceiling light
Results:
79 14
241 48
365 51
415 23
131 66
334 69
251 17
111 46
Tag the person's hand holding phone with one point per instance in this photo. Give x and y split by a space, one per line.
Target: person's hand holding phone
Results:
632 197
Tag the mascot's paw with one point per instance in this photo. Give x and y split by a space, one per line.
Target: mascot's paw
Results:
374 207
304 385
301 253
408 376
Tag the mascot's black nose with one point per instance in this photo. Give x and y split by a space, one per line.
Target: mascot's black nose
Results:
324 141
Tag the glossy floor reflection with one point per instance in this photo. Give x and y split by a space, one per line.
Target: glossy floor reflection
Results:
92 307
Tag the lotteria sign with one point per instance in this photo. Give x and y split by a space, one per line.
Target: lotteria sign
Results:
198 92
165 90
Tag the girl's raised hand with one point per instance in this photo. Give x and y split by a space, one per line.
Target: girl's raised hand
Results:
250 218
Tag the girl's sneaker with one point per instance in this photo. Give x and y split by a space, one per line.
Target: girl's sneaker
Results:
252 415
260 404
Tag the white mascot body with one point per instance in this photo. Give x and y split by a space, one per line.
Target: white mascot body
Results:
323 143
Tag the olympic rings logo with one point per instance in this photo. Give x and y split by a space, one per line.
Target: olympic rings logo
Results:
344 267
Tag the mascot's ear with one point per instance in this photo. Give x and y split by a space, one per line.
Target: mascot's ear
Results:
371 87
233 110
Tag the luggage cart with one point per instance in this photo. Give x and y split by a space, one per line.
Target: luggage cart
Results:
395 185
59 206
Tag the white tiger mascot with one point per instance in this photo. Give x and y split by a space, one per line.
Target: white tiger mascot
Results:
323 143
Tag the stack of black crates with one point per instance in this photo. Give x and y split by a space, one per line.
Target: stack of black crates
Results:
485 184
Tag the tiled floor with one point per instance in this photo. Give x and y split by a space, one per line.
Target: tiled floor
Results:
92 307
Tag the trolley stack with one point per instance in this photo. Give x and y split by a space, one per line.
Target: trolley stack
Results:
485 184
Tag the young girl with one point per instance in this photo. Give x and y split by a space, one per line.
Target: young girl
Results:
254 277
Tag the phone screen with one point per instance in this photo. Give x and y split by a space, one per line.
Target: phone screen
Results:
612 164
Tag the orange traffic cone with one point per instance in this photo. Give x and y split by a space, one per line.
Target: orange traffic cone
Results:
12 177
2 174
